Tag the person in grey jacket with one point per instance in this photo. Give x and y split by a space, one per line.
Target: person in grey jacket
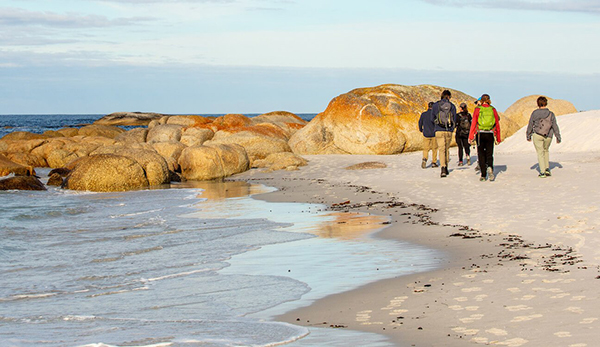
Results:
443 114
541 134
427 127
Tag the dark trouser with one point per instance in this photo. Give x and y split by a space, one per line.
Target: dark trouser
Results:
463 144
485 152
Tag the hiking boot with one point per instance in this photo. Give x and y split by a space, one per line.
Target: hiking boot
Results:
490 173
434 164
468 160
542 175
547 172
460 163
444 172
482 179
424 163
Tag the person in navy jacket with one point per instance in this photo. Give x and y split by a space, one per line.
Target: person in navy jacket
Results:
427 128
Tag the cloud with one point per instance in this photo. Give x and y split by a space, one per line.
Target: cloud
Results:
584 6
10 17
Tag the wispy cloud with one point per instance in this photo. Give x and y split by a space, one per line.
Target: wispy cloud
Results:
19 17
585 6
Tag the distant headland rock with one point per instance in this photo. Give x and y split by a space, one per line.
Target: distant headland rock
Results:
129 118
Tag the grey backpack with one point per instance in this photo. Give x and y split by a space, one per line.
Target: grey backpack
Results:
444 116
543 125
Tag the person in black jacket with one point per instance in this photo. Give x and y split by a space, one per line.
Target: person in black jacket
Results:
463 126
427 127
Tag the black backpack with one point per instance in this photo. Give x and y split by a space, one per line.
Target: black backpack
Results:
444 116
464 125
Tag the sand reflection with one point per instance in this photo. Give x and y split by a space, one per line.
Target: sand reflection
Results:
220 190
348 225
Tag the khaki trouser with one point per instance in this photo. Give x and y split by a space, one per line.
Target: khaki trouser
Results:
542 144
430 144
444 138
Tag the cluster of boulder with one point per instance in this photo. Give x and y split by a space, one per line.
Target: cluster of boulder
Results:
380 120
104 157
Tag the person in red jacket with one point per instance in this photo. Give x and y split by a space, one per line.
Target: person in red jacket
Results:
486 126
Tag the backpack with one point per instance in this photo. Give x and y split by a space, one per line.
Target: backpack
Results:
543 126
464 125
486 120
444 116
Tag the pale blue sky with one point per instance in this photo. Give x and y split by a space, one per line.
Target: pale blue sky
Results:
222 56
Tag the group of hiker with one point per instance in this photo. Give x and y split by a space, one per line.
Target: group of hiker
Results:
441 121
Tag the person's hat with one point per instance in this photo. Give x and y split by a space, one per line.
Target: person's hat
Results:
463 105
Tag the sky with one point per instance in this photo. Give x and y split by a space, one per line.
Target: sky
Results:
257 56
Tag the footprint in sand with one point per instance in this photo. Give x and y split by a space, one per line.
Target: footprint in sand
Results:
579 345
513 290
472 308
527 297
578 298
497 332
518 308
588 320
472 318
519 319
363 316
480 340
461 299
563 334
481 297
395 302
578 310
456 308
465 331
528 281
516 342
560 296
471 290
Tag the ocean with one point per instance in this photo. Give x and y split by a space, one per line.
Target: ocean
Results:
198 264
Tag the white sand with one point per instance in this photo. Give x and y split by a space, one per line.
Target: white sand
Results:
494 290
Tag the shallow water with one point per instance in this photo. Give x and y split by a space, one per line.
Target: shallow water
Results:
204 264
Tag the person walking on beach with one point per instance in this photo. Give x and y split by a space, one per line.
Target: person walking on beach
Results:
443 114
427 128
486 126
463 127
542 126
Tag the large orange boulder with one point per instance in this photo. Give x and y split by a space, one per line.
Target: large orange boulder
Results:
378 120
108 131
106 173
203 163
517 115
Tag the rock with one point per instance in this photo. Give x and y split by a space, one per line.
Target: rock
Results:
55 180
367 165
259 141
280 161
23 135
154 165
8 167
171 151
108 131
52 133
133 135
60 158
21 183
106 173
128 118
378 120
196 136
188 121
68 132
287 121
230 121
517 115
164 133
201 163
61 171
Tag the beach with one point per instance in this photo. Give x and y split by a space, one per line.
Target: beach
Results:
521 261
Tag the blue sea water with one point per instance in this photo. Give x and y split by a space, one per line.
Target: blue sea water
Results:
38 123
200 264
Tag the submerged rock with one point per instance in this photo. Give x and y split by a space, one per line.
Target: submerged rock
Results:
21 183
